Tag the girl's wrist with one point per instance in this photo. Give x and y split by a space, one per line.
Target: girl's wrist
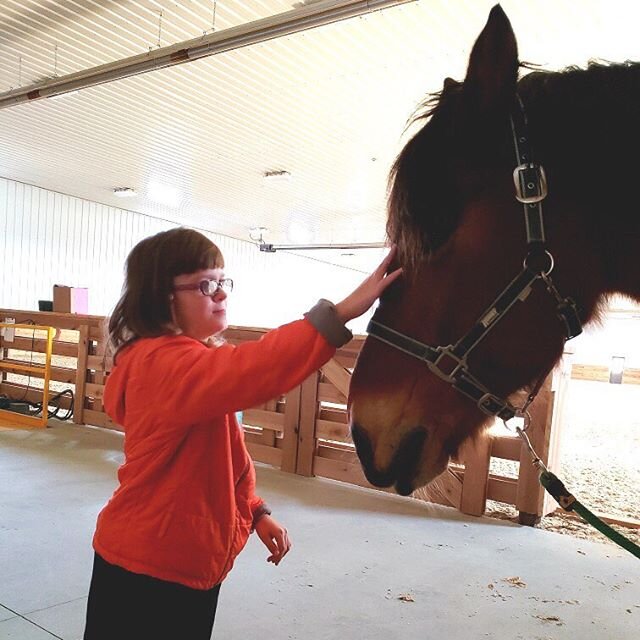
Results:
342 312
260 513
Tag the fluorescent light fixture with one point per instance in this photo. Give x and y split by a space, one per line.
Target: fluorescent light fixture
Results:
125 192
57 96
309 16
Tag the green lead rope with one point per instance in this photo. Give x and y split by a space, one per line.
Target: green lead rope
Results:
569 503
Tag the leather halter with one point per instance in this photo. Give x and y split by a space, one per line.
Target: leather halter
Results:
449 362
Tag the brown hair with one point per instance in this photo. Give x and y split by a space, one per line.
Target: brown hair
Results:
144 308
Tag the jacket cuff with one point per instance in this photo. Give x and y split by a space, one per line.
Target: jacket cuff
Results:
262 510
324 318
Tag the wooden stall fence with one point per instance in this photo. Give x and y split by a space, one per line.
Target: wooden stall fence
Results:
306 431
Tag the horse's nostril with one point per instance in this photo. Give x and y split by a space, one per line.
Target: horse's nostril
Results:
404 488
406 462
364 450
403 467
362 444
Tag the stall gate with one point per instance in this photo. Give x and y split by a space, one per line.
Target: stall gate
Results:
305 431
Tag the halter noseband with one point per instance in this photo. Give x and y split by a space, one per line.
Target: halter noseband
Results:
449 362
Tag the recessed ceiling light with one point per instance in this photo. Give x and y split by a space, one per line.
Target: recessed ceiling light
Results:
278 175
125 192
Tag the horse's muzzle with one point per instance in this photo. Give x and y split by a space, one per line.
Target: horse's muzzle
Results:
404 465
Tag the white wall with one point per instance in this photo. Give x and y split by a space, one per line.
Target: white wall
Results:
48 238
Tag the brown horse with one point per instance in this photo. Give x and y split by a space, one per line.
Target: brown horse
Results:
491 286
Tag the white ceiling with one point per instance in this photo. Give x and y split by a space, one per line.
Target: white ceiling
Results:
328 105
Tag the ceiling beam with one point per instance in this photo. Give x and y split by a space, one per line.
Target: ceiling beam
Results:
272 248
309 16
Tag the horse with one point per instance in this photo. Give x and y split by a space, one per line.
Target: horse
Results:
492 284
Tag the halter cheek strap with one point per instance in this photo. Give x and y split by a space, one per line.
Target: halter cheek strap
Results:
529 178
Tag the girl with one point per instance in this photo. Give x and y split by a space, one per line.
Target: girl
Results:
185 503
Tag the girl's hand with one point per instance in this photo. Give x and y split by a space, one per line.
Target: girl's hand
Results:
275 537
369 291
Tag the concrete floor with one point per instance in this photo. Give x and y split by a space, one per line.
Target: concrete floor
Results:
363 564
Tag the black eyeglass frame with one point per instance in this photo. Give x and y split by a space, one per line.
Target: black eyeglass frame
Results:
204 286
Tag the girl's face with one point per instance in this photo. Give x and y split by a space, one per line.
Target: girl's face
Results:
197 315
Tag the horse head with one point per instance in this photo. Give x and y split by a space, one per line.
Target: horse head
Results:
461 238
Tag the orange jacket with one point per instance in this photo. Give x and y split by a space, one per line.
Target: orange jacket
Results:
185 504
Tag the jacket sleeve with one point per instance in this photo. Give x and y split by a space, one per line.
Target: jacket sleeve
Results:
259 508
246 483
193 382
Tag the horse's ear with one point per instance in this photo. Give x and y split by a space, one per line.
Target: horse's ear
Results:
448 83
492 73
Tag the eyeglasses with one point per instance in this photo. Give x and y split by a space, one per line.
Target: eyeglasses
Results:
207 287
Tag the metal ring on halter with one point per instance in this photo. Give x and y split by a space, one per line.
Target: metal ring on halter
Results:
526 420
551 262
526 417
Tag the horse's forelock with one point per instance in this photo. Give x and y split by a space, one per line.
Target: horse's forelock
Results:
405 228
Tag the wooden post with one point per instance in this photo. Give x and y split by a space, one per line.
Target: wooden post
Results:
476 454
560 387
307 427
99 374
81 374
530 494
268 436
291 430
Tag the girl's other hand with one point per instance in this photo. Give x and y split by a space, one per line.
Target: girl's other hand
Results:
369 291
275 537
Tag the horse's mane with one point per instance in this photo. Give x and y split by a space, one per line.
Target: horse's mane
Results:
563 107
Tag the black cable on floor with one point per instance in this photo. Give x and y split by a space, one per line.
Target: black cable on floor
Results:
37 406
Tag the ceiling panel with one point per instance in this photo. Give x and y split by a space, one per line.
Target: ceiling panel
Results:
328 105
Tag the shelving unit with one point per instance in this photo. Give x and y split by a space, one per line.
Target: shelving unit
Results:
13 418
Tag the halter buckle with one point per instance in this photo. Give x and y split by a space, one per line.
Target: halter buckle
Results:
448 373
530 181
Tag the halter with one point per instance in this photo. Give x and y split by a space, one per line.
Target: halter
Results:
449 362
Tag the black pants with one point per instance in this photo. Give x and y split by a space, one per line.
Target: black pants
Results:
129 606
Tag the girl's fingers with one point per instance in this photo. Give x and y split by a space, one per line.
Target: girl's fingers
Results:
283 545
271 545
384 283
384 265
394 275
